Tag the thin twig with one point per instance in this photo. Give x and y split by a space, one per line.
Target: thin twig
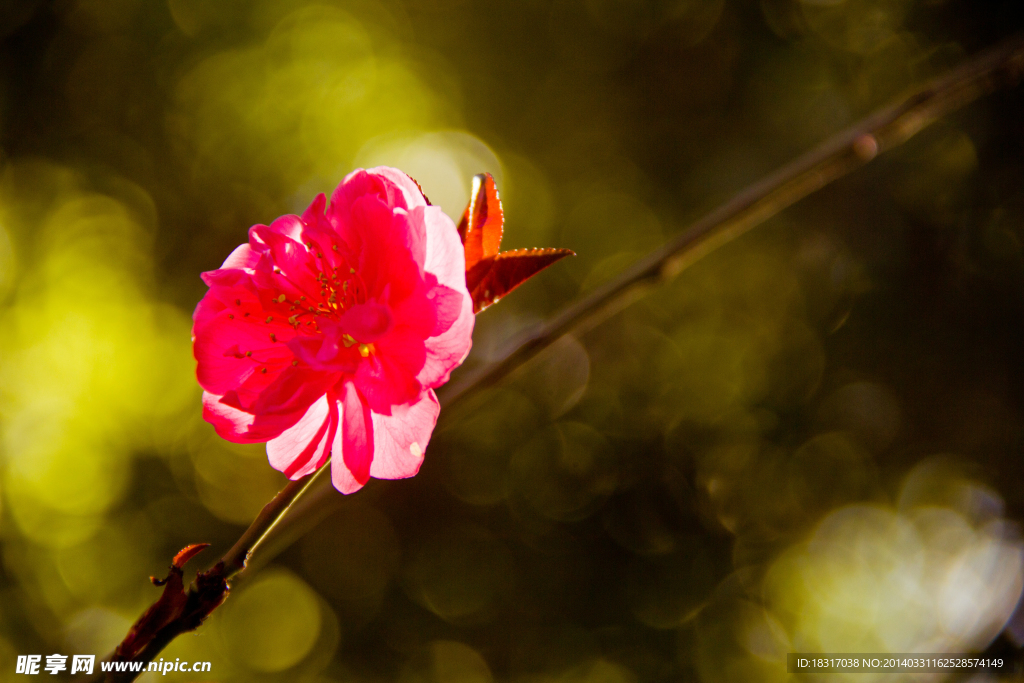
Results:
235 560
1001 66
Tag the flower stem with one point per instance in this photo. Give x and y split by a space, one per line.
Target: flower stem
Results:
236 559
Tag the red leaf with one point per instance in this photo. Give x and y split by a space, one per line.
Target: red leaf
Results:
493 278
482 222
490 275
187 553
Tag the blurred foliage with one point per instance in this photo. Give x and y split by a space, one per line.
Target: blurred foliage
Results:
810 441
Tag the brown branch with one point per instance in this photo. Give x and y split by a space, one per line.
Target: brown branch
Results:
178 611
1001 66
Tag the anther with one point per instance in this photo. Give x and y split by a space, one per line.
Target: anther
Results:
248 354
294 363
263 370
269 318
280 299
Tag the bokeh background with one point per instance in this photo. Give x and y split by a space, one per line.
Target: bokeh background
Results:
810 441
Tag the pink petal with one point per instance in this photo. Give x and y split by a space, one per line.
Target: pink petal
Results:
294 390
326 352
384 258
447 304
340 475
229 350
357 185
366 323
225 277
446 261
444 256
352 464
446 351
411 193
289 226
294 265
242 257
388 377
239 426
315 212
304 447
401 438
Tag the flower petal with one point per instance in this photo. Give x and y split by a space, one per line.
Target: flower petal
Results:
304 447
366 323
229 350
243 257
401 438
295 389
411 192
444 255
351 466
388 377
239 426
446 351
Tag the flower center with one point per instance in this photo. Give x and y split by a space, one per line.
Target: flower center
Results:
336 288
340 288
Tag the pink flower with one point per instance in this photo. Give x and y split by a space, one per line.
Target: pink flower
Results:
325 335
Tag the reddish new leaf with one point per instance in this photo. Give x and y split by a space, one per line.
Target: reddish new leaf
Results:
187 553
490 275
